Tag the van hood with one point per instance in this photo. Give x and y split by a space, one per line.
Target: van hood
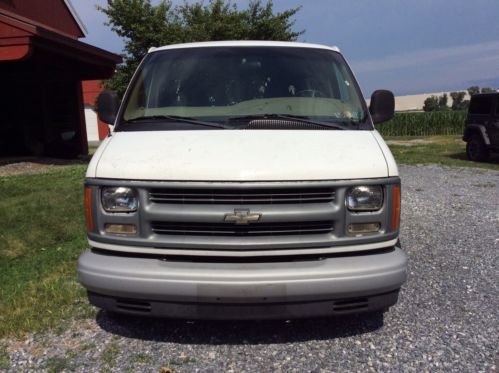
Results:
236 155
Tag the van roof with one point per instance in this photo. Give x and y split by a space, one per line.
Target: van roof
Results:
243 43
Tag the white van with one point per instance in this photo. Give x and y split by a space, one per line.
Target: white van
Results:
243 180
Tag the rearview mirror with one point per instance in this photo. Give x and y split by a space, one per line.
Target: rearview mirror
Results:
382 106
108 104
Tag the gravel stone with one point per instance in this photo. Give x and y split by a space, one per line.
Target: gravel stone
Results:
446 318
32 165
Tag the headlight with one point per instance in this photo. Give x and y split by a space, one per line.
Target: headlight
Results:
119 199
365 198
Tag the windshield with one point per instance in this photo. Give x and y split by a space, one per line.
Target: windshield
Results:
228 84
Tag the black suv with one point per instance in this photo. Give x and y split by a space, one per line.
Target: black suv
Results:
481 130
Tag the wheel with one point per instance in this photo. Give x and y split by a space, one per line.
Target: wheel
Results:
476 150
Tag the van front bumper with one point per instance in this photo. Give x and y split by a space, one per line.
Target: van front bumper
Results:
227 290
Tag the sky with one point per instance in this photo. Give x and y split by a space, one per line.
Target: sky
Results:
407 46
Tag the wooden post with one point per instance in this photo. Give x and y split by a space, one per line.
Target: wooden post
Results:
81 119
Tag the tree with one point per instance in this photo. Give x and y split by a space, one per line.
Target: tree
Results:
473 90
488 90
436 103
144 25
458 101
431 103
442 102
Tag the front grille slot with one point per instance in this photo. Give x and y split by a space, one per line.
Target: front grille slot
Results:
133 305
350 305
258 229
241 197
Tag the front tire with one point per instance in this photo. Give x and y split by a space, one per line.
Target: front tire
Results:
476 150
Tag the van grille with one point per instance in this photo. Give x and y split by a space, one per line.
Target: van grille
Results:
244 218
241 197
258 229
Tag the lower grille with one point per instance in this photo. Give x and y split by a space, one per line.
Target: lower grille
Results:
259 229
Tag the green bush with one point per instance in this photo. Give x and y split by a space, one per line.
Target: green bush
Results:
424 124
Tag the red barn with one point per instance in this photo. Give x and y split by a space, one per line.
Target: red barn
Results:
42 64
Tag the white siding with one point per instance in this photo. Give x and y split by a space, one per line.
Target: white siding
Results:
91 124
416 102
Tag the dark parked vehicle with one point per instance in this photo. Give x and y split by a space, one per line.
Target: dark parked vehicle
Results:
481 131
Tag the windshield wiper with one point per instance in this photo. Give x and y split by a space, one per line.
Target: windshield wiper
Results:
296 118
175 118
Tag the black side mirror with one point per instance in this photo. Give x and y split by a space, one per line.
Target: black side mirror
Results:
382 106
108 104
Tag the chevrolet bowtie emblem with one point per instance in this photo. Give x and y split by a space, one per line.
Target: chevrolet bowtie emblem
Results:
242 217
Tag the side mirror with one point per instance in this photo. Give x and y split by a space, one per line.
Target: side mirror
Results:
382 106
108 104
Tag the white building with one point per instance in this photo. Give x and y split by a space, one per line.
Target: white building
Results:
416 102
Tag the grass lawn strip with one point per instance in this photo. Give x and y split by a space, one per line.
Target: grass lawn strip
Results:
443 150
41 238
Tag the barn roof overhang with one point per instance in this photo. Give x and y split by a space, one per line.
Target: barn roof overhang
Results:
19 39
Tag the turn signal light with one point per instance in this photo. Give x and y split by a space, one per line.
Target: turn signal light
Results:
396 208
88 209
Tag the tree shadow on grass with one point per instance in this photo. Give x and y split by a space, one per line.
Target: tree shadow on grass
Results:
238 332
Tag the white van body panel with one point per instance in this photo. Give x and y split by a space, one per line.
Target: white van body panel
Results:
243 43
390 161
225 155
92 166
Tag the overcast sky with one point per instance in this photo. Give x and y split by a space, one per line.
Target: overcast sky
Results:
408 46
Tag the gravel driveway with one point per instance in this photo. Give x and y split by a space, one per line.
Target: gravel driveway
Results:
446 318
30 165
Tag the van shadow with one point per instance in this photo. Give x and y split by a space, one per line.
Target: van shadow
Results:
493 158
238 332
460 155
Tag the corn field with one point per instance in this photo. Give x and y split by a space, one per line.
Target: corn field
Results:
424 124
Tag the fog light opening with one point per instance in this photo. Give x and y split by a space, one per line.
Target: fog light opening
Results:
359 229
127 229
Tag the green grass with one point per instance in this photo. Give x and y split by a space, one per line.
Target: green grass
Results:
443 150
141 358
4 358
110 354
41 238
56 364
485 185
